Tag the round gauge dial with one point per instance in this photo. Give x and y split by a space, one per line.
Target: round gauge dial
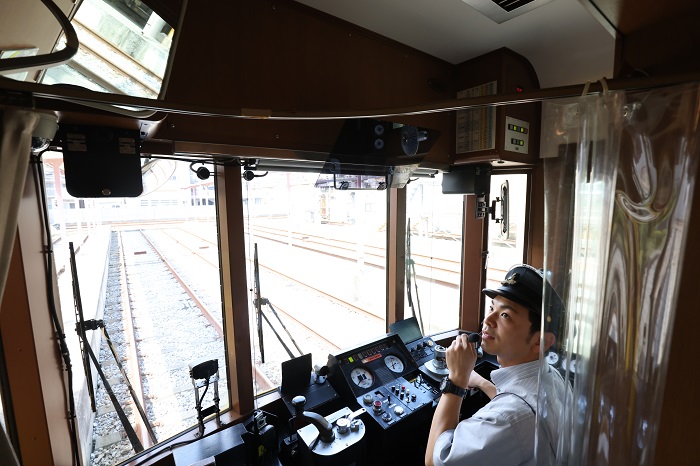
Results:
552 358
362 377
571 365
394 363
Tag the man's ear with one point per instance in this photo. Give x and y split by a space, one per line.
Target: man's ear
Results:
535 341
549 340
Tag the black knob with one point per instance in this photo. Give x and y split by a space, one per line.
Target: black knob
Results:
298 402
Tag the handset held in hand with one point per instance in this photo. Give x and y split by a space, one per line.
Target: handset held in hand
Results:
474 338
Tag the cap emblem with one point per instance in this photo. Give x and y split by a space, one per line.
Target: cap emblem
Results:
512 280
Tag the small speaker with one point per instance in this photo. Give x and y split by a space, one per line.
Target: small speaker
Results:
101 161
410 138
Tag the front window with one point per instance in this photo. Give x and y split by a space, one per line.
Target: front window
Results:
321 262
148 274
433 267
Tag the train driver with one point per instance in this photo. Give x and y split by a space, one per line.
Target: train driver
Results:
503 431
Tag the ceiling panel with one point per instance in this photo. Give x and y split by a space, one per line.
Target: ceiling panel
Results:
564 43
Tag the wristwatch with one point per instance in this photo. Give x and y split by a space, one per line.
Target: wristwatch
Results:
446 386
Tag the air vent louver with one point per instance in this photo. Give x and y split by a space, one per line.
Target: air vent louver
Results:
510 5
501 11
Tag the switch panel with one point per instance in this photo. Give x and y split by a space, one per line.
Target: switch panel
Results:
517 135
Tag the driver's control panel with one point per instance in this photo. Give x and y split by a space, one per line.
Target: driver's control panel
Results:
422 350
382 376
392 402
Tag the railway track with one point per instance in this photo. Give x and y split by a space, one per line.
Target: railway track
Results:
288 315
165 274
158 331
443 271
272 270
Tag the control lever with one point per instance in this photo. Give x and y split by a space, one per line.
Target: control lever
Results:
325 428
360 411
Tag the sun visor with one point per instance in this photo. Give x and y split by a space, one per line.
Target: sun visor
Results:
375 154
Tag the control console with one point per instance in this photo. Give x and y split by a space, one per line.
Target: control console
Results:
422 350
382 376
392 402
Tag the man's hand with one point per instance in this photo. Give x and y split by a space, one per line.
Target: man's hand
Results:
461 358
477 381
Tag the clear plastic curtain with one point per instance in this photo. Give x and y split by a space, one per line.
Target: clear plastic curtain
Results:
620 171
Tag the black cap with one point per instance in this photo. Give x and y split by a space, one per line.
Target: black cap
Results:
524 285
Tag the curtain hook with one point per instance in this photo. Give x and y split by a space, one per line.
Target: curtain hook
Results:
604 83
585 89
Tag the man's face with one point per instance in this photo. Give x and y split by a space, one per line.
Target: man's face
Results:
506 333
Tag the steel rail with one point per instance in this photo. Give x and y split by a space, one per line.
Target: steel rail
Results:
377 265
370 246
306 327
287 277
262 380
287 314
132 356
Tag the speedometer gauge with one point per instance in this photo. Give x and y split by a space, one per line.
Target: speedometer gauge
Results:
393 363
362 377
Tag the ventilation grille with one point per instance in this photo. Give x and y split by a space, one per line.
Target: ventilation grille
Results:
510 5
501 11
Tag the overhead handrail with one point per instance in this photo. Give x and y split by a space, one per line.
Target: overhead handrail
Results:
133 113
58 57
49 92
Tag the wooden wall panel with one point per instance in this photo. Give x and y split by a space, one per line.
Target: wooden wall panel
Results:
282 55
511 72
34 366
629 16
235 289
473 271
22 368
668 46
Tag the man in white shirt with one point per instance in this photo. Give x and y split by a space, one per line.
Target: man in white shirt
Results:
503 431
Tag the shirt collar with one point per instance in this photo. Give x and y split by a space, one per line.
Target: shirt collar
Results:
506 377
